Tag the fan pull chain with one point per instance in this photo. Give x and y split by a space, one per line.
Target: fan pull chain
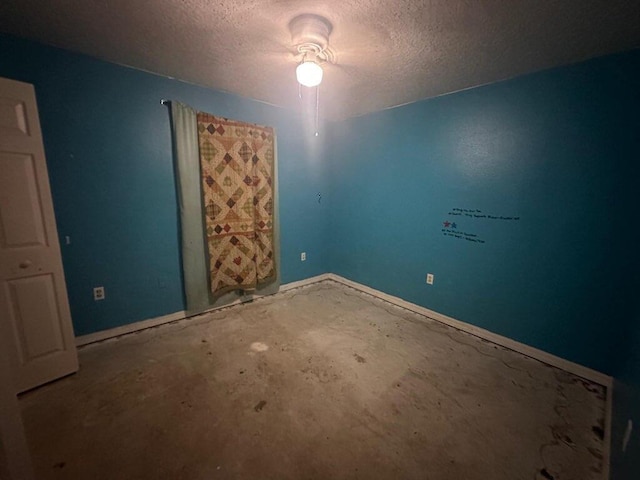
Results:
317 109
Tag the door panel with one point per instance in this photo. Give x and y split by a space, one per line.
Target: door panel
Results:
34 309
13 120
35 338
19 186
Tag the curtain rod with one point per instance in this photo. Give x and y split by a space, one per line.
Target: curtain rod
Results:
164 102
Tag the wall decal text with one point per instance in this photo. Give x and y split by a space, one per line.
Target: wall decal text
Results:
450 227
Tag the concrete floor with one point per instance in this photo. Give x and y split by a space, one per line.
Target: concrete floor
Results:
319 382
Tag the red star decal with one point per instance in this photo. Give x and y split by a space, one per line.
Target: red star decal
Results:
446 224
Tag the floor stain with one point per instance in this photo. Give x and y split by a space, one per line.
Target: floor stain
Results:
595 452
546 474
437 374
359 358
598 431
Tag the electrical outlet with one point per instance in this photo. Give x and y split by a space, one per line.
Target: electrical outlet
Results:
303 256
98 293
430 278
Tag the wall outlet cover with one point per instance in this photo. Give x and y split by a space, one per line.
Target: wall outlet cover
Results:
98 293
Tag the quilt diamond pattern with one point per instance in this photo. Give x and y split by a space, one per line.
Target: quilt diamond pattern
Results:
237 168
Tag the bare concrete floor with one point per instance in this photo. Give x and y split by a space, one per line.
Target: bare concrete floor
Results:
316 383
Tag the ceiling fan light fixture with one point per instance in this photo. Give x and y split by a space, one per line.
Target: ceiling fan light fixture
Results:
309 73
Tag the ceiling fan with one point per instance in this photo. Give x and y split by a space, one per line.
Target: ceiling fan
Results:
310 37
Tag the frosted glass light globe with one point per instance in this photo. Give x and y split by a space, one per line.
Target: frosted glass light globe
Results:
309 74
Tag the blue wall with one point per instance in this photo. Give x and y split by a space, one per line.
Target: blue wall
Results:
108 146
557 149
553 149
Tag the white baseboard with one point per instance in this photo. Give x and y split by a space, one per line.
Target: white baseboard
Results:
558 362
172 317
514 345
568 366
305 282
129 328
545 357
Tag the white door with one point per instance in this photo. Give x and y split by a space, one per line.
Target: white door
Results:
15 461
34 309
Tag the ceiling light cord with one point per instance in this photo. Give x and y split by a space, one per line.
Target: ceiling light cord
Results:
317 110
310 36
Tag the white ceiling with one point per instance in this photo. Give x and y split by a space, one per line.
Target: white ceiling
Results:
388 52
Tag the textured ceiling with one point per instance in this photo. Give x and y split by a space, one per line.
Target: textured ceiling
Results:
388 52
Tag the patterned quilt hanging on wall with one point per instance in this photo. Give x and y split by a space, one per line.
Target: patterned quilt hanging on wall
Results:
237 167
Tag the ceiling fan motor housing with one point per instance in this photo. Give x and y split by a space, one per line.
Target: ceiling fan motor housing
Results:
310 33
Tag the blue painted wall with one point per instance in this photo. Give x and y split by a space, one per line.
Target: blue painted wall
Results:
108 147
560 150
557 149
551 148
